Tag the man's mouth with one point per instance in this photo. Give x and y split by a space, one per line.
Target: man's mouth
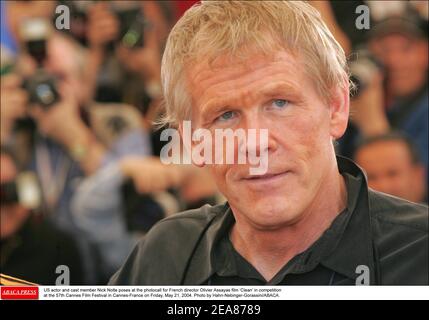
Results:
266 178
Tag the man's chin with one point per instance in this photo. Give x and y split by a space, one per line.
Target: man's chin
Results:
269 213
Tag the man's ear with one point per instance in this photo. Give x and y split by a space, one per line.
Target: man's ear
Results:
188 145
339 111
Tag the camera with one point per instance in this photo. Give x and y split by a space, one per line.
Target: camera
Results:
130 17
132 24
41 86
42 89
362 68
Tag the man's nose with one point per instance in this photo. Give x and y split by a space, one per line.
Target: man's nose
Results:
258 136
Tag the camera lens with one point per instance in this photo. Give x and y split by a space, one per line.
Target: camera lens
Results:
45 94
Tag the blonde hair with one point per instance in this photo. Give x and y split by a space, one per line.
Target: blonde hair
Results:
214 28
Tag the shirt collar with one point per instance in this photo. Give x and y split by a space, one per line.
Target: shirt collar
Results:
354 247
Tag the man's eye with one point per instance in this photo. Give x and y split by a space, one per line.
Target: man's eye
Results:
226 116
280 103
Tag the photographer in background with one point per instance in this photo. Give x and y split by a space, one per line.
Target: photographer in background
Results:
42 118
401 44
393 166
124 40
49 67
31 248
391 80
119 70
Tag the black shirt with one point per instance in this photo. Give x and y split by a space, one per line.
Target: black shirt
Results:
305 268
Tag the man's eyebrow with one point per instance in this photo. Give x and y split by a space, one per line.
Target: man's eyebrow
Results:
211 109
276 87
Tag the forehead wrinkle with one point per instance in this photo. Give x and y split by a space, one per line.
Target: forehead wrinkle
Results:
203 71
234 95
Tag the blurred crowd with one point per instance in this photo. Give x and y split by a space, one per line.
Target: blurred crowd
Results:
81 178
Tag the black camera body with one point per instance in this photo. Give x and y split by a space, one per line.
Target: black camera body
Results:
132 24
42 89
362 68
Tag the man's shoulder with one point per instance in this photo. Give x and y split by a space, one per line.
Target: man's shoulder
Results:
162 254
180 230
391 210
191 221
400 235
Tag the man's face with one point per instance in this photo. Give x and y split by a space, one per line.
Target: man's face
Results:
405 60
12 216
274 94
390 170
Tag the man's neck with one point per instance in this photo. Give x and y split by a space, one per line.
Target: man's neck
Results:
269 250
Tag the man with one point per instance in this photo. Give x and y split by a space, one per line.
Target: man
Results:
401 44
393 166
310 218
